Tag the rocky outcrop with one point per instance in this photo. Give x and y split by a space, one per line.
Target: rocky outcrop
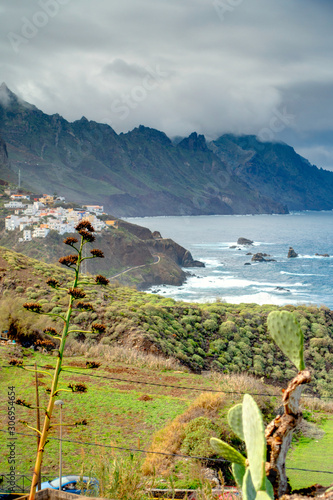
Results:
244 241
140 232
194 142
176 252
3 153
321 254
261 257
291 253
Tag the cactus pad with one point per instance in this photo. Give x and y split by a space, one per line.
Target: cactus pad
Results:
248 490
269 489
263 495
227 451
254 435
238 472
287 333
235 420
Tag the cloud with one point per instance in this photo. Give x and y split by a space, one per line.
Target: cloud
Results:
222 73
119 67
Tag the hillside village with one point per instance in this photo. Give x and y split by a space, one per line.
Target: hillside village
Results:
36 217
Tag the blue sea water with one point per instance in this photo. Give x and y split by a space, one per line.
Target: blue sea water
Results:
307 279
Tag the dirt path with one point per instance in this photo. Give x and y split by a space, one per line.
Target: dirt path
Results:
137 267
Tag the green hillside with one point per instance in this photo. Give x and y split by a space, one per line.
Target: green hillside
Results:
223 337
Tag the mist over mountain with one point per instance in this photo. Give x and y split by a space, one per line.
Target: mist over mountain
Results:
143 172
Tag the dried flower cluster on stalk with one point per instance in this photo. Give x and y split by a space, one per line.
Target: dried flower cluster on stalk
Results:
73 261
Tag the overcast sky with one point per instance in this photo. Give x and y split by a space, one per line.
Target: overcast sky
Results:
213 66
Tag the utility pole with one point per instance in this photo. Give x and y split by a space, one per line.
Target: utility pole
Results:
60 403
38 420
19 178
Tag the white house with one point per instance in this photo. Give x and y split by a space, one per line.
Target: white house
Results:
14 204
97 209
67 228
40 232
20 197
27 235
12 222
30 210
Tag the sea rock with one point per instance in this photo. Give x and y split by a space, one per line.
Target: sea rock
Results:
321 254
260 257
247 264
291 253
281 289
244 241
233 246
249 253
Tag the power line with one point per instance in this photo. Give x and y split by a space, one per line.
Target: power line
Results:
179 386
138 450
183 387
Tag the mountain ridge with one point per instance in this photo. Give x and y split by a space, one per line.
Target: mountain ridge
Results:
144 173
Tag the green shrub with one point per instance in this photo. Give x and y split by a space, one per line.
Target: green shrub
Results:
197 435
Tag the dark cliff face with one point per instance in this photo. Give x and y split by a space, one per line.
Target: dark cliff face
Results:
6 174
176 252
3 153
134 174
277 172
144 173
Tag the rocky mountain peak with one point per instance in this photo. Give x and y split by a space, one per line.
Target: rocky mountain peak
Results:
194 142
10 100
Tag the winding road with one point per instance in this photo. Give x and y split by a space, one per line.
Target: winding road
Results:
137 267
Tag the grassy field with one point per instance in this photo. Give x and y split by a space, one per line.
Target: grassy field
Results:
315 454
121 413
118 413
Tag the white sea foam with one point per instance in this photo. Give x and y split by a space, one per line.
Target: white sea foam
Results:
259 298
300 256
230 281
212 262
300 274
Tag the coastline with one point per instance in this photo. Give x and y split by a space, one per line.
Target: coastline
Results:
305 280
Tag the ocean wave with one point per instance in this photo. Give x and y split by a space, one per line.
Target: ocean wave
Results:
232 281
300 274
260 298
300 256
212 262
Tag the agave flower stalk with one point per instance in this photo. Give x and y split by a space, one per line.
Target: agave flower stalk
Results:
74 262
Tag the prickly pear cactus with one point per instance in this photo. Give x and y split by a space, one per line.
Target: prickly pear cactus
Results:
287 333
227 451
248 490
238 471
235 420
263 495
254 436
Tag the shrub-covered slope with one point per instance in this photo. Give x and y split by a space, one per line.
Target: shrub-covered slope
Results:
132 254
218 336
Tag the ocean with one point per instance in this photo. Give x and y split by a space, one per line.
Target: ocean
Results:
307 279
